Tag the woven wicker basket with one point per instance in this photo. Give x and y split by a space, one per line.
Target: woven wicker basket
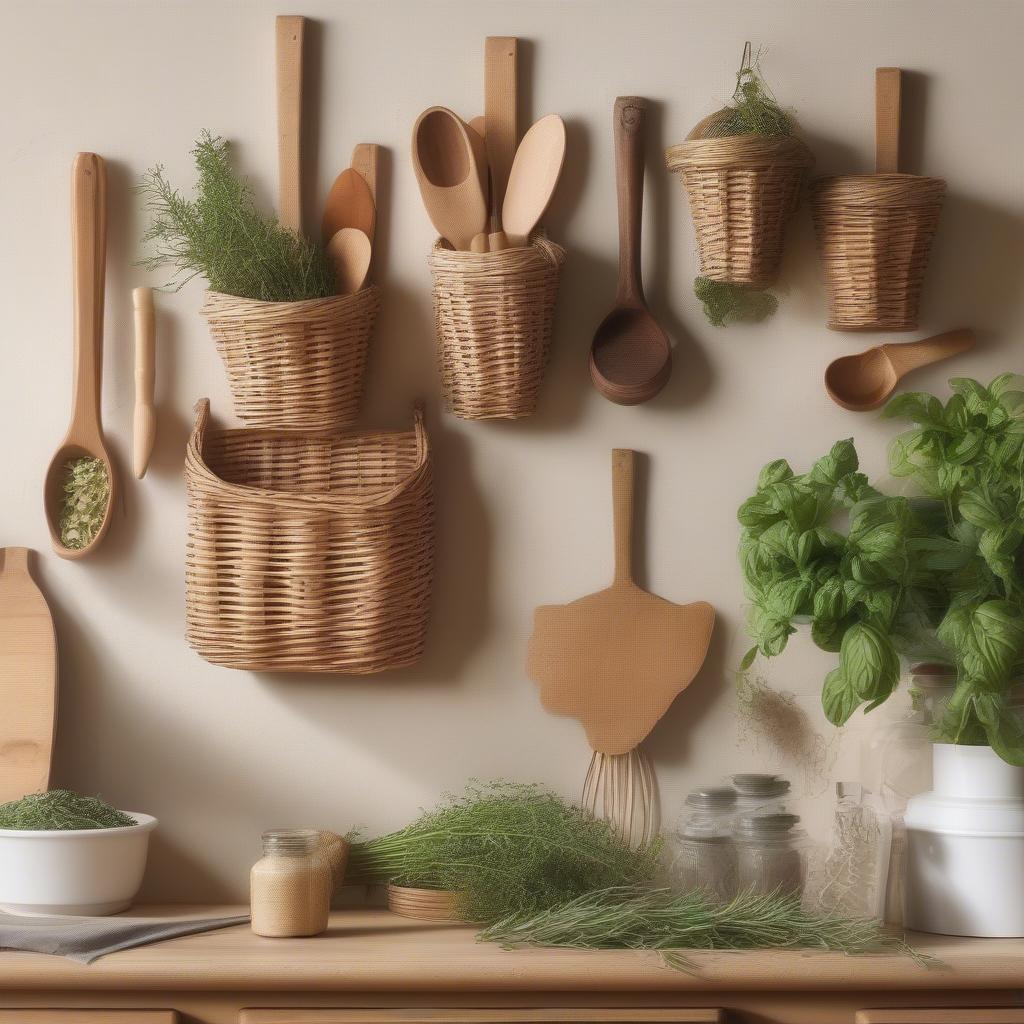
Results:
308 553
742 191
493 314
424 904
294 365
875 234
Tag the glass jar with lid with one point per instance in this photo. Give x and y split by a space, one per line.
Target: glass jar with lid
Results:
290 888
771 853
760 792
706 855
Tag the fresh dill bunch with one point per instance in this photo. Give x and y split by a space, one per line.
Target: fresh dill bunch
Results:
223 236
60 809
506 848
670 922
84 505
725 303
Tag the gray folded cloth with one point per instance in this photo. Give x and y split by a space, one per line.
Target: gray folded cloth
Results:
88 938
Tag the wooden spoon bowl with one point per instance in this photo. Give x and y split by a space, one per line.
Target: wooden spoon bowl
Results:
85 433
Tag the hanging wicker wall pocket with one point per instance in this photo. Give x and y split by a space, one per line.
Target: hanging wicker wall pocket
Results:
742 191
875 231
308 553
294 365
493 314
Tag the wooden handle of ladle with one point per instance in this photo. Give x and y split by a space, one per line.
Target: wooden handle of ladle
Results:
910 355
630 118
89 256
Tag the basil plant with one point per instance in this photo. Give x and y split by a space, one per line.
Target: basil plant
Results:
877 577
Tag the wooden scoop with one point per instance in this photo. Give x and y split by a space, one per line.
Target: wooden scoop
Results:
630 357
617 659
85 433
865 381
28 680
448 168
531 183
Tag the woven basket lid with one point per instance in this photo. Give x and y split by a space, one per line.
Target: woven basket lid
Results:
704 149
879 190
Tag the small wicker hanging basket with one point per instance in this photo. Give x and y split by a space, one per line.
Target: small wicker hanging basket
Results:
308 553
875 235
493 314
742 189
294 365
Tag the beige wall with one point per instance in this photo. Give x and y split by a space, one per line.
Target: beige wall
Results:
524 508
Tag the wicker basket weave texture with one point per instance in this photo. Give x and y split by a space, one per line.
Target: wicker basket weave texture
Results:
309 553
294 365
493 317
742 191
875 234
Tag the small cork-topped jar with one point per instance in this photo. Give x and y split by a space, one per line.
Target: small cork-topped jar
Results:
290 888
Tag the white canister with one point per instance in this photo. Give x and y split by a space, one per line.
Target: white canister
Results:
965 847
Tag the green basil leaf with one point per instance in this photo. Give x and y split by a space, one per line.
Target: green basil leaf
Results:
838 698
841 460
869 661
774 473
830 600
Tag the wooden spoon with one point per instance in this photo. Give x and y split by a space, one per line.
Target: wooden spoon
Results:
349 204
630 357
290 33
534 175
864 381
85 433
445 159
350 251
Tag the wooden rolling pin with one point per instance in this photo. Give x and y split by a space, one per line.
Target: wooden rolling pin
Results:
144 420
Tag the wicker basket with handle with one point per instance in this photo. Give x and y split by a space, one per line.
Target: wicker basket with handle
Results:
294 365
493 314
308 553
875 231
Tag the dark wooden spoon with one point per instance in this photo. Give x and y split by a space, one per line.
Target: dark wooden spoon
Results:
630 356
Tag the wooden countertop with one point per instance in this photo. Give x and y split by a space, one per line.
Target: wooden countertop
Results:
375 951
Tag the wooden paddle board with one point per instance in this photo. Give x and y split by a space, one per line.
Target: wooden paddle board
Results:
28 680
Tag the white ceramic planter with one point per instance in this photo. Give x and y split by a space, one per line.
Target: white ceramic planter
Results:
89 872
965 846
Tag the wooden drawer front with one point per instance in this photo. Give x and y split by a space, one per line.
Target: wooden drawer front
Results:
464 1016
88 1017
949 1015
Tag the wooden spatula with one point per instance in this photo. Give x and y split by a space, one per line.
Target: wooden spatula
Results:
618 658
28 680
291 30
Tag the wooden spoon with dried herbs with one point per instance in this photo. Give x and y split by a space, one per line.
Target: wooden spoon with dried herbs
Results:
79 490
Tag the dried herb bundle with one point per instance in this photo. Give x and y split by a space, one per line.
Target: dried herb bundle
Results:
670 922
86 493
60 809
222 235
507 849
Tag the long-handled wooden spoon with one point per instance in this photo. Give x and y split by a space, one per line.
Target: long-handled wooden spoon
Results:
85 432
630 356
445 159
864 381
531 183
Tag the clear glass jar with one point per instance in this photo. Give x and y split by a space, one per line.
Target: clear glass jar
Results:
706 854
771 854
290 888
758 792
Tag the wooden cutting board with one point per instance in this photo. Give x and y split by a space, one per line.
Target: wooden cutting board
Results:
28 680
618 658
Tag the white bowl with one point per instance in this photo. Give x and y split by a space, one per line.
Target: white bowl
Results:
88 872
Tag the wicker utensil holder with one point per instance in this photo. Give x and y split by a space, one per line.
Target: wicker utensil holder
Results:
308 553
423 904
294 365
875 234
493 314
742 191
